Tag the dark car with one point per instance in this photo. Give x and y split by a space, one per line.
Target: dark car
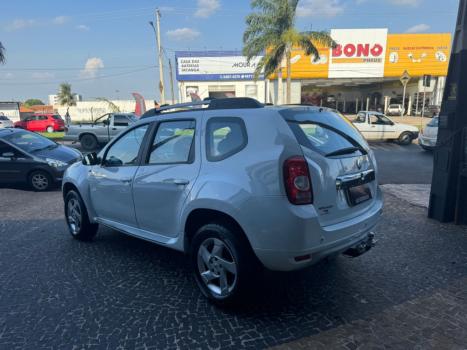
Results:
27 157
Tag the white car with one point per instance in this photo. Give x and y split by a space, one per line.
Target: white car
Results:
236 185
376 126
429 135
395 109
5 122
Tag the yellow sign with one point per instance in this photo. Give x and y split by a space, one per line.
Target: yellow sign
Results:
418 54
304 67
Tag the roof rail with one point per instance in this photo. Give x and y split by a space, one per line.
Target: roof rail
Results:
221 103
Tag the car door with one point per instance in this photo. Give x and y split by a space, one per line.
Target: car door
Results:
362 124
164 180
14 164
119 122
32 123
111 182
376 127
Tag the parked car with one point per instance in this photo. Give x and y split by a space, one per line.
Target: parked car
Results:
42 123
429 135
5 122
376 126
101 131
395 109
237 185
27 157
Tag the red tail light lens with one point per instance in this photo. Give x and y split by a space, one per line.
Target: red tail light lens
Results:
297 181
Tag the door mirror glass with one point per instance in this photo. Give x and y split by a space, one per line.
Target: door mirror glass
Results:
91 159
106 122
8 155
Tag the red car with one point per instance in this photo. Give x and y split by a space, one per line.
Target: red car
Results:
42 122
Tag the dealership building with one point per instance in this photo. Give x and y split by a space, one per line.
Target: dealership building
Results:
364 71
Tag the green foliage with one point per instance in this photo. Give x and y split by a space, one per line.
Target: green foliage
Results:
112 106
270 32
2 54
33 102
65 96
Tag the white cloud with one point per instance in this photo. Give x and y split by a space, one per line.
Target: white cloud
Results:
320 8
419 28
406 2
61 20
42 75
83 28
20 23
182 34
91 68
206 8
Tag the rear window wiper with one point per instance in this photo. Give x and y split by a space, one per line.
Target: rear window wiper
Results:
342 151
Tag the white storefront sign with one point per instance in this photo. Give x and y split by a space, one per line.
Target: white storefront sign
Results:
360 53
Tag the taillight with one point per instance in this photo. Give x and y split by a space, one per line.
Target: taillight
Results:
297 181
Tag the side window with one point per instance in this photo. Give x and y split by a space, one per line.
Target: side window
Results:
121 120
360 118
126 149
374 120
224 137
173 143
42 117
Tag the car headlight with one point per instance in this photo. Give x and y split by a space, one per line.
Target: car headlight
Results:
55 163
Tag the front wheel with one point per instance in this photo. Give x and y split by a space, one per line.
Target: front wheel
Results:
50 129
40 181
224 265
77 218
405 139
88 142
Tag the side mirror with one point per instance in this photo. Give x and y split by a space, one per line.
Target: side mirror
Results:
91 159
8 155
113 161
106 122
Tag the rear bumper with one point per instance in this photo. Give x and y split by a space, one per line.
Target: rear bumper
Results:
427 142
319 242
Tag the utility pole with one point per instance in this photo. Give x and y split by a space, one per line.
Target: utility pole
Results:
159 49
448 198
171 81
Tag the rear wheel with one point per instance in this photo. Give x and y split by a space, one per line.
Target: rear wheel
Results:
88 142
405 138
223 264
50 129
77 218
40 181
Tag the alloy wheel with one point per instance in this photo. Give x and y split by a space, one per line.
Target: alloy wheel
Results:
40 181
217 267
74 216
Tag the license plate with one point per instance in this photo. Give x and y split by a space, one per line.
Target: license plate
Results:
358 194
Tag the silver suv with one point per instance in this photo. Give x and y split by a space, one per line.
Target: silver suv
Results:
235 184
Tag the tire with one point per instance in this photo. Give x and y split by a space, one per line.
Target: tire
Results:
77 219
88 142
224 266
50 129
405 139
40 181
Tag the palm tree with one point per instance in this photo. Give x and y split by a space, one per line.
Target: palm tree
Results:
65 97
2 54
270 31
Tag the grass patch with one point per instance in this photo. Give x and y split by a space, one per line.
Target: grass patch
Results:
53 135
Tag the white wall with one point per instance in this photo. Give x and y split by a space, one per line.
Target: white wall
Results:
11 110
240 88
89 110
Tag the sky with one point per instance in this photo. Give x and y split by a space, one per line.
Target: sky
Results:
106 48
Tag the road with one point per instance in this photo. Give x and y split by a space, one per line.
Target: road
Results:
118 292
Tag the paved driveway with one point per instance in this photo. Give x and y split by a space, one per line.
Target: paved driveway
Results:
122 293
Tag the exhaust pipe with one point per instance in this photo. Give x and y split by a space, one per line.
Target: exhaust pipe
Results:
362 247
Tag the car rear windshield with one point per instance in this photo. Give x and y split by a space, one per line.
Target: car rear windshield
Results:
2 117
57 117
324 131
433 122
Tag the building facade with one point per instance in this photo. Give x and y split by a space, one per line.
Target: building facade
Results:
364 71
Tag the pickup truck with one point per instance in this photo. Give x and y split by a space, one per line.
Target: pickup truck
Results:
376 126
101 131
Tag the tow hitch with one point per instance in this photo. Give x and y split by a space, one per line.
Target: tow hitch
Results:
362 247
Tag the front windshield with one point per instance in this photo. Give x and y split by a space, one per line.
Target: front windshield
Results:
29 142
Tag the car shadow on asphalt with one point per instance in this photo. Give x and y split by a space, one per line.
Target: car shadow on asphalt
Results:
26 188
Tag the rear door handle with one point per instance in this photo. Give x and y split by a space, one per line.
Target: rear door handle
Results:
125 181
180 182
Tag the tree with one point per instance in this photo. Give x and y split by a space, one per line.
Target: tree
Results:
33 102
270 32
2 54
65 96
112 106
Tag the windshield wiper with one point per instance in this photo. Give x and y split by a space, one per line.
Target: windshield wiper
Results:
340 152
